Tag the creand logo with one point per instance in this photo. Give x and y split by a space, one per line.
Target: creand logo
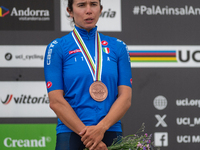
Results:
10 142
25 99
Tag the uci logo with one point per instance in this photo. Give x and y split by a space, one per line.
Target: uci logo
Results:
189 55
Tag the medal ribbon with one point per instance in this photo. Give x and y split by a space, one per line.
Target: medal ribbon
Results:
95 68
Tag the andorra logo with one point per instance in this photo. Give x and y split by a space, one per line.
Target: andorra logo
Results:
4 11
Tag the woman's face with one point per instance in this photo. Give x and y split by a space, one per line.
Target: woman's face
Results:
85 13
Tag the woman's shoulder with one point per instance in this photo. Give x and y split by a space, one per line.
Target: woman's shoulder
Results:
62 40
112 40
106 37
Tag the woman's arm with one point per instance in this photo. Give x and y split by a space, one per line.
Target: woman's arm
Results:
67 115
64 111
119 108
92 135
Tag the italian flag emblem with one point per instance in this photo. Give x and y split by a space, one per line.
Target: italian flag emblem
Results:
106 50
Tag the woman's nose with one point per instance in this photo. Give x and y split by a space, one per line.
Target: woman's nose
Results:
88 9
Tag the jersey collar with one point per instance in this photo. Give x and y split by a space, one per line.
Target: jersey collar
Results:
85 34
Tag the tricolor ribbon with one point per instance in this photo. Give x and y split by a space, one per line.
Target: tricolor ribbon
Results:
95 68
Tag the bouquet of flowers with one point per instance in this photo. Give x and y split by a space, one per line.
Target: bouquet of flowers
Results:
133 142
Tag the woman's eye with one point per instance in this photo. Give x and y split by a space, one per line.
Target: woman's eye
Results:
80 5
94 4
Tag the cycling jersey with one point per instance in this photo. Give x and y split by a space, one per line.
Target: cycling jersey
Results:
66 69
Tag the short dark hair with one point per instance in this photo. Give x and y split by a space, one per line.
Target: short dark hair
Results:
70 3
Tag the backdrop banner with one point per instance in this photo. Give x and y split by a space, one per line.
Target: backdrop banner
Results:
164 48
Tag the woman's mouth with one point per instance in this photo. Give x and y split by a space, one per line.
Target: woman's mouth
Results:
89 20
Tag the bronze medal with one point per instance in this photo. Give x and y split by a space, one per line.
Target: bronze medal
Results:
98 91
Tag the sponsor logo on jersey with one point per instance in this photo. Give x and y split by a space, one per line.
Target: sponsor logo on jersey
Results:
74 51
50 50
104 43
49 84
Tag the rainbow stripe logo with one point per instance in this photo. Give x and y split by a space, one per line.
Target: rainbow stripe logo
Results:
153 56
4 11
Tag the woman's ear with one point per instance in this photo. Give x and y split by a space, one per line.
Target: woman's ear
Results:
70 12
101 8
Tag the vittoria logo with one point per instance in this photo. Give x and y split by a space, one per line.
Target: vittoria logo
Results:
20 96
25 99
4 11
7 100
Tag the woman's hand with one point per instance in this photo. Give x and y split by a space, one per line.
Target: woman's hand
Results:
92 136
101 146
